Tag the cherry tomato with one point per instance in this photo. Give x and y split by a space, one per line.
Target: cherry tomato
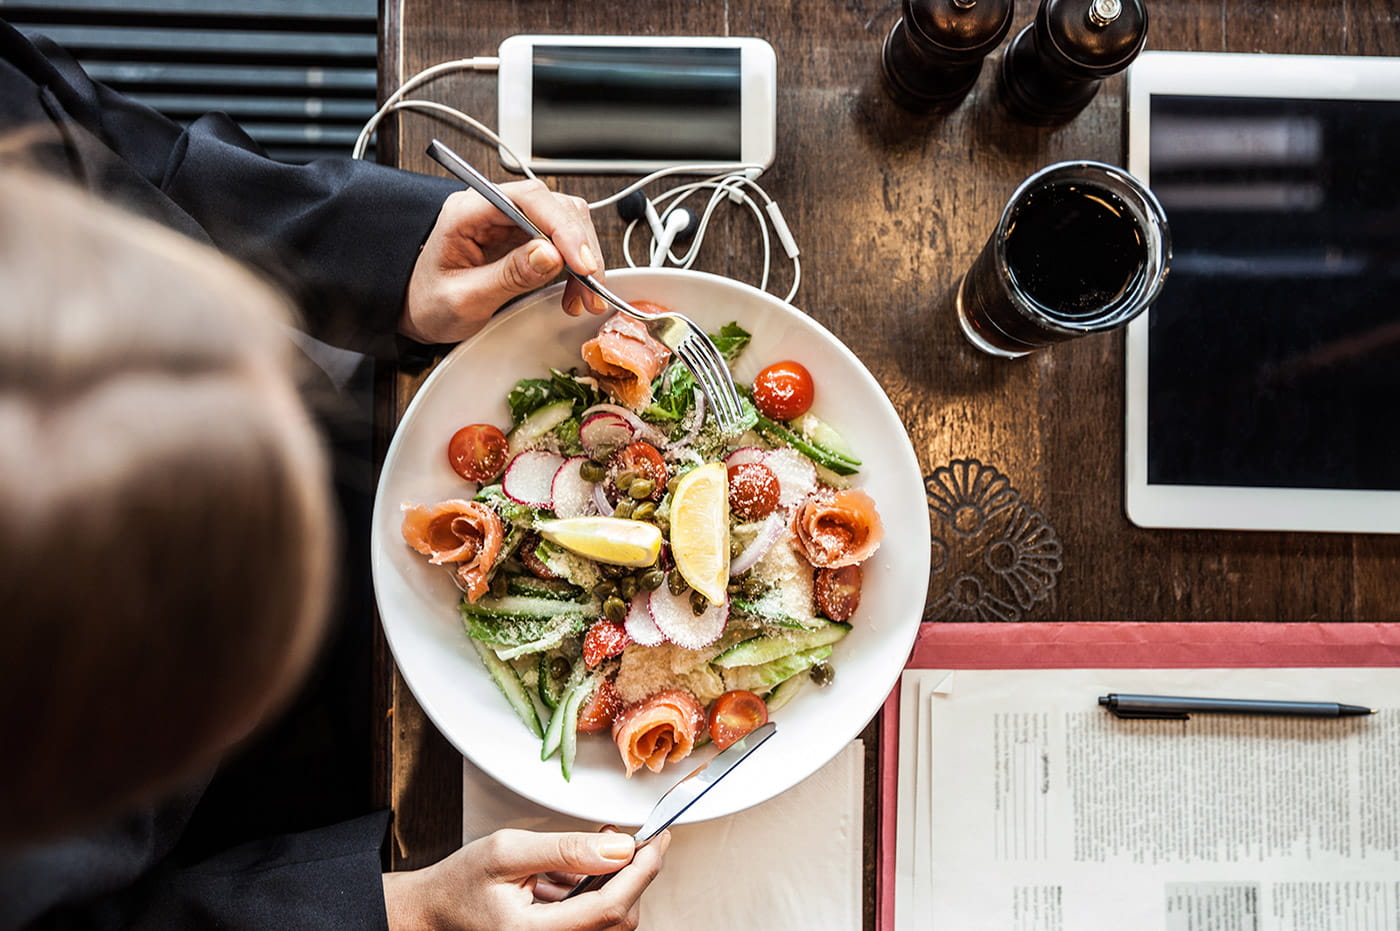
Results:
753 490
602 706
478 452
838 592
735 714
643 461
784 390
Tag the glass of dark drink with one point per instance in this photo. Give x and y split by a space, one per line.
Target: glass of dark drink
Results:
1081 247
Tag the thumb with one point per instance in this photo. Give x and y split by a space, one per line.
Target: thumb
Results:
525 853
525 268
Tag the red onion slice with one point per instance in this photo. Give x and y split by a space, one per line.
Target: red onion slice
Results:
529 478
640 627
771 532
681 625
601 502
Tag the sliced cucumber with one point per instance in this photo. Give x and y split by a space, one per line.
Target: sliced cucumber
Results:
569 748
520 609
764 677
530 586
535 426
554 734
509 684
784 691
759 650
820 433
775 432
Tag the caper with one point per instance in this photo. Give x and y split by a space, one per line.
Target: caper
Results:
627 587
623 509
735 548
675 583
605 589
609 571
652 579
624 480
499 584
616 609
559 667
592 471
641 489
672 482
822 674
644 511
751 587
698 603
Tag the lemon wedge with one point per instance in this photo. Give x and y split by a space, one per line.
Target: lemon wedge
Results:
700 530
605 539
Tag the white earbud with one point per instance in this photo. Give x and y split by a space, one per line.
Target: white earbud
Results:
678 226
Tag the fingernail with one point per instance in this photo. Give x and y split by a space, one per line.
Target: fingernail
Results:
587 259
541 259
665 841
575 307
599 305
614 846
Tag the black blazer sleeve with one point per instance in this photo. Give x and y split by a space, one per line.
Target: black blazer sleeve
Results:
339 235
325 879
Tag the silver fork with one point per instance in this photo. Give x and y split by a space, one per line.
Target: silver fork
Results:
676 332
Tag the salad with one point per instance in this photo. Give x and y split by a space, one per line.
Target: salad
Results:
627 569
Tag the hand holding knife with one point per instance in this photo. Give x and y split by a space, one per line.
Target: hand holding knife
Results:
685 794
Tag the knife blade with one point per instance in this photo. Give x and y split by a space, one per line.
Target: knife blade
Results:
686 793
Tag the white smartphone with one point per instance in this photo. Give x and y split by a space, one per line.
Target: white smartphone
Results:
634 104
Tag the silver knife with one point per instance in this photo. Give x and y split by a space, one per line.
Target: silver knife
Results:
686 793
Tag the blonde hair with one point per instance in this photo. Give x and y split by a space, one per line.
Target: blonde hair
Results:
165 519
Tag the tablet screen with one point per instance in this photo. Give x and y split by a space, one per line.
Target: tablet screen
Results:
1274 350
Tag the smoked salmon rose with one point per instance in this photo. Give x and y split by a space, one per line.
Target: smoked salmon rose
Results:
467 533
658 730
626 358
835 529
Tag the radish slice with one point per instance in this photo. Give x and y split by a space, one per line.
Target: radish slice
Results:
681 625
745 454
601 502
797 477
640 627
529 478
603 432
571 495
640 428
771 531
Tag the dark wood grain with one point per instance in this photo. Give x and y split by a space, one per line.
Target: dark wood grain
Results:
889 210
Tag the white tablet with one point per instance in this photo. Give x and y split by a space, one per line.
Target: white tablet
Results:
1263 387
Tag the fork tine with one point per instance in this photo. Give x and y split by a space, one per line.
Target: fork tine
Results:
726 397
702 368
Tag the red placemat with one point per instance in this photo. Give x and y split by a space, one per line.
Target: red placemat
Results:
1125 645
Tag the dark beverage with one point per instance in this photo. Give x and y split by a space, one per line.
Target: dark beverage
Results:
1082 247
1074 249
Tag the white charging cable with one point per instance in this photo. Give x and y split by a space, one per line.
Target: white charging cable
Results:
726 181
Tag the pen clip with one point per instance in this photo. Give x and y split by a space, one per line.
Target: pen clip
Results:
1152 715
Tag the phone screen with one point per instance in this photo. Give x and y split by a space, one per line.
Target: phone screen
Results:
613 103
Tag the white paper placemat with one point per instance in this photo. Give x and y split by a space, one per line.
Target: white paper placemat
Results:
793 863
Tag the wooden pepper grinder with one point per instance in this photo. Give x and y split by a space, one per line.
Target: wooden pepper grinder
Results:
932 56
1053 67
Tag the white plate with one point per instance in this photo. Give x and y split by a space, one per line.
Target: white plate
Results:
417 602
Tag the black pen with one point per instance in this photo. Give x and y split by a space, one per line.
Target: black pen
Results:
1172 708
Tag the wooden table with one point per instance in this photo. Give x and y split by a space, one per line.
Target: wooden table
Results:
889 209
